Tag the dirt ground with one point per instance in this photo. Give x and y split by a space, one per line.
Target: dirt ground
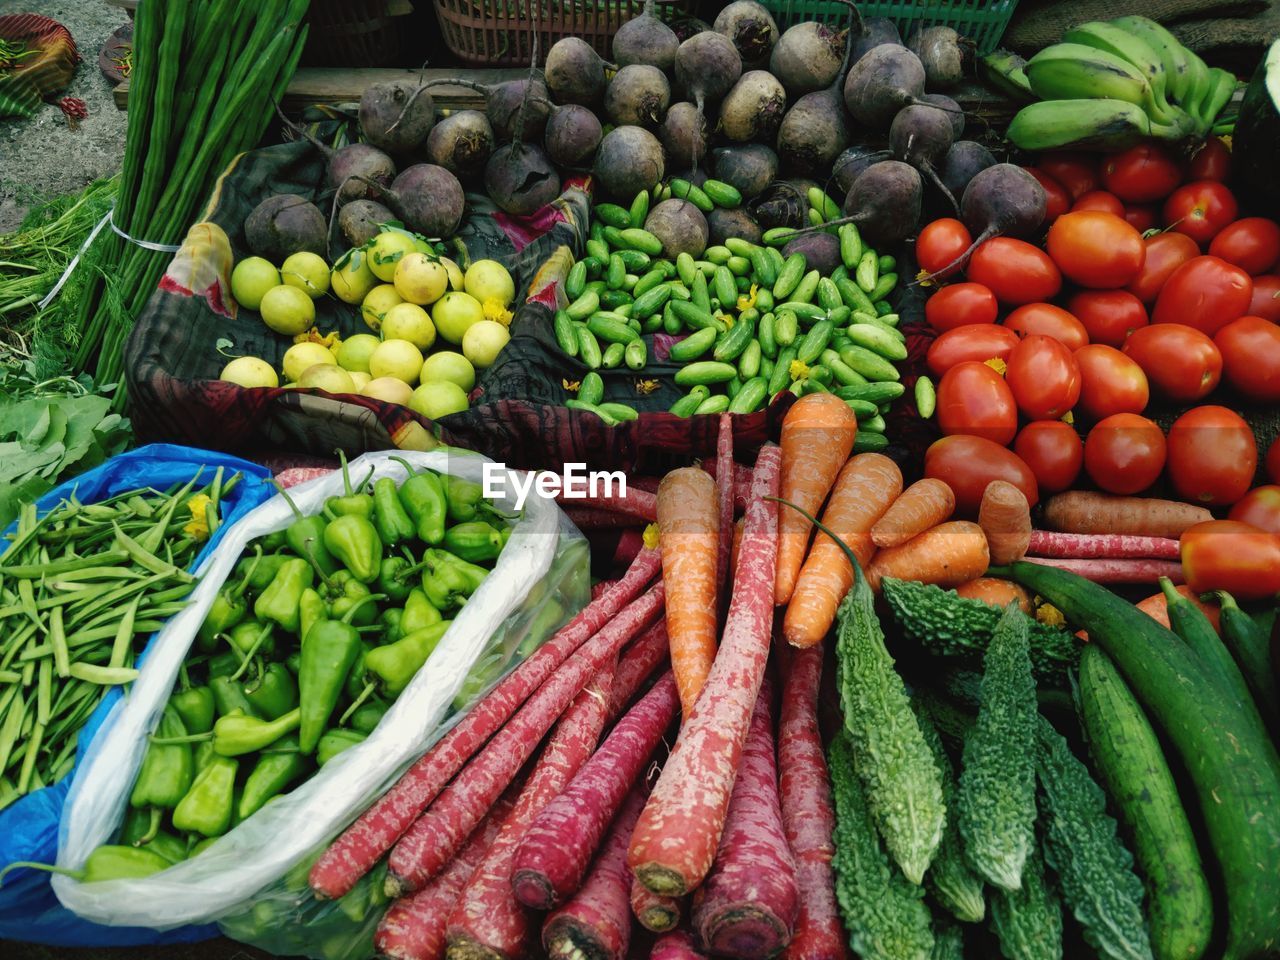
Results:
43 157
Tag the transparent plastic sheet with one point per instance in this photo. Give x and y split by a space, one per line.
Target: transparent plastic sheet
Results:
539 581
29 910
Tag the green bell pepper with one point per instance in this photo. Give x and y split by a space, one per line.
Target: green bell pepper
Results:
138 832
389 620
464 499
229 697
449 581
342 592
418 612
355 682
259 572
311 610
328 653
392 579
274 772
167 769
354 541
108 862
336 741
389 516
251 639
280 601
369 715
305 537
274 692
352 503
396 663
423 498
474 541
235 736
195 705
206 809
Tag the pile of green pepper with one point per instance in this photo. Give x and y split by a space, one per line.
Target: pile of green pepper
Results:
321 626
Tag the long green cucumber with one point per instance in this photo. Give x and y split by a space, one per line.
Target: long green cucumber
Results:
1228 755
1250 646
1128 758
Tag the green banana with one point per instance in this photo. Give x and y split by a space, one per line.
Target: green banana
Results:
1220 93
1131 48
1088 124
1199 87
1072 71
1172 54
1003 70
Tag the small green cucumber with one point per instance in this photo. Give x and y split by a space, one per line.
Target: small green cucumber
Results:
853 296
739 266
828 295
695 317
612 328
705 371
639 207
584 306
686 405
765 334
635 238
591 389
613 215
650 301
764 300
884 286
636 355
717 254
566 334
589 348
886 264
814 342
591 408
635 259
749 360
750 396
850 246
762 266
877 340
806 312
876 393
874 424
866 442
693 346
724 287
807 287
734 340
576 281
926 397
598 250
717 403
789 277
781 375
685 190
686 268
612 356
699 292
722 194
786 327
870 365
619 411
779 236
868 271
845 374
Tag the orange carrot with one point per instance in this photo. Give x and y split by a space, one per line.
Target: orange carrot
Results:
817 437
947 555
1083 511
689 533
924 504
866 487
1005 517
996 592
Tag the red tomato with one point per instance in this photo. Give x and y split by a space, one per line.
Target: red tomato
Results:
1015 271
1260 507
1273 461
1200 210
1180 361
1206 293
1053 451
1049 320
1266 298
1212 456
959 304
1108 316
976 341
1098 250
1232 556
1124 453
1043 377
1056 199
973 399
1166 252
1099 201
967 464
1211 162
1142 217
940 242
1141 174
1110 382
1252 244
1077 172
1250 350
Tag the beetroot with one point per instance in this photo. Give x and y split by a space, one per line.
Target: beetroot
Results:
646 40
684 135
285 224
749 167
944 53
785 203
751 28
852 162
821 251
520 178
397 115
574 71
885 202
629 160
723 224
921 136
950 108
881 83
680 226
874 32
359 221
461 143
707 67
1001 200
754 107
573 136
637 95
808 57
964 161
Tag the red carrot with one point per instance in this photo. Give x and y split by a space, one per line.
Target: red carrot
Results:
653 911
599 587
741 480
558 846
1100 546
637 663
1117 571
592 518
429 844
724 490
628 499
413 928
807 814
487 921
363 843
644 483
596 923
676 945
675 841
747 905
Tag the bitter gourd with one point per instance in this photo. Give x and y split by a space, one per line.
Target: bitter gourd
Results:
951 881
996 800
1028 922
1093 866
949 625
884 913
948 941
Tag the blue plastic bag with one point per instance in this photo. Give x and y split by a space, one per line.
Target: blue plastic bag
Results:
29 827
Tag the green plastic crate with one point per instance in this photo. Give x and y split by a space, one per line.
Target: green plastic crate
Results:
982 21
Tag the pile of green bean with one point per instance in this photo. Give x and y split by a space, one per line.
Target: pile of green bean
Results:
81 588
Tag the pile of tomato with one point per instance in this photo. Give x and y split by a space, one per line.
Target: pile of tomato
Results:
1148 285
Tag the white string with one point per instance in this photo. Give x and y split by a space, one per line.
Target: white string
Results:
145 244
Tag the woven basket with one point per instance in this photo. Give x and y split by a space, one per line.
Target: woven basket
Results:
982 21
356 33
500 32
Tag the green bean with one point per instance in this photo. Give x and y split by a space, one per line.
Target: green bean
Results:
106 561
124 635
13 718
32 746
58 641
106 676
44 692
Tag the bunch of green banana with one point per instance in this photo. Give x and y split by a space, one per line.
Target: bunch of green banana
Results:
1112 83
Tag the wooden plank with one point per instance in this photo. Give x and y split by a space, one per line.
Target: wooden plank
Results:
313 85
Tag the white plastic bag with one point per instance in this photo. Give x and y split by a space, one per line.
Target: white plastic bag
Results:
227 875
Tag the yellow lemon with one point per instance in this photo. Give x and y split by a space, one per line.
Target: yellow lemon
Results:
408 321
386 251
355 351
439 398
352 280
361 379
454 313
250 372
420 279
308 272
488 279
302 355
389 389
396 358
483 341
287 310
252 278
375 306
456 276
327 377
447 365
